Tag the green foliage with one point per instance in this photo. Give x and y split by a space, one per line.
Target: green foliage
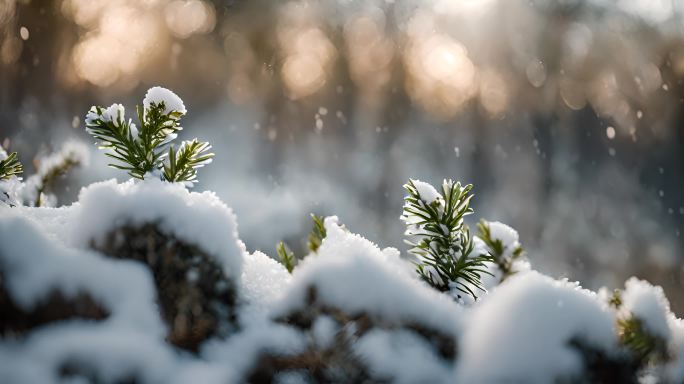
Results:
441 241
286 256
314 241
615 299
497 249
182 165
144 151
643 345
10 167
317 233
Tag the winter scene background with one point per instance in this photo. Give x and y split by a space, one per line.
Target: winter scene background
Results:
320 227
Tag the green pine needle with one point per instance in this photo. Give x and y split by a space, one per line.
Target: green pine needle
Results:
10 167
441 241
182 166
643 345
147 150
497 249
286 256
317 234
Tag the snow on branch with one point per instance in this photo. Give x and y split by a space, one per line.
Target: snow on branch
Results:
440 239
147 151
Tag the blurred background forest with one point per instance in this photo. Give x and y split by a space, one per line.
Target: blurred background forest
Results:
566 115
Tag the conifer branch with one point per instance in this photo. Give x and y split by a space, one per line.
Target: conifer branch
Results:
314 241
182 165
148 151
50 167
286 256
439 238
503 257
317 234
10 166
643 345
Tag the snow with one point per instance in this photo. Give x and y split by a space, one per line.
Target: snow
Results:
197 218
10 192
243 349
507 235
128 341
675 369
649 304
520 332
158 95
354 275
426 191
72 271
115 113
411 359
263 283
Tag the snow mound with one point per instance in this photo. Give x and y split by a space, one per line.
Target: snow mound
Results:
366 313
201 219
354 275
125 289
127 343
522 332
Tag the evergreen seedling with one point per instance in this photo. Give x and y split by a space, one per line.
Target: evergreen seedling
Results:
440 239
10 166
148 150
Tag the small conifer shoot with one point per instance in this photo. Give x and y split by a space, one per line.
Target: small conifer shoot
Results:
9 165
439 238
148 151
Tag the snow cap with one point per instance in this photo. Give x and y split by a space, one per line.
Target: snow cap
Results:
171 101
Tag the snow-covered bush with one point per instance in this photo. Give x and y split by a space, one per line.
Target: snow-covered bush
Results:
352 300
34 191
144 281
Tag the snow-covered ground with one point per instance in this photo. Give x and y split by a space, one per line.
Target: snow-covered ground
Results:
350 312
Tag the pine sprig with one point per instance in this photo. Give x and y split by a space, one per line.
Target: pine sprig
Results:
148 150
440 239
497 249
314 241
182 165
641 343
317 233
10 167
286 256
643 346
